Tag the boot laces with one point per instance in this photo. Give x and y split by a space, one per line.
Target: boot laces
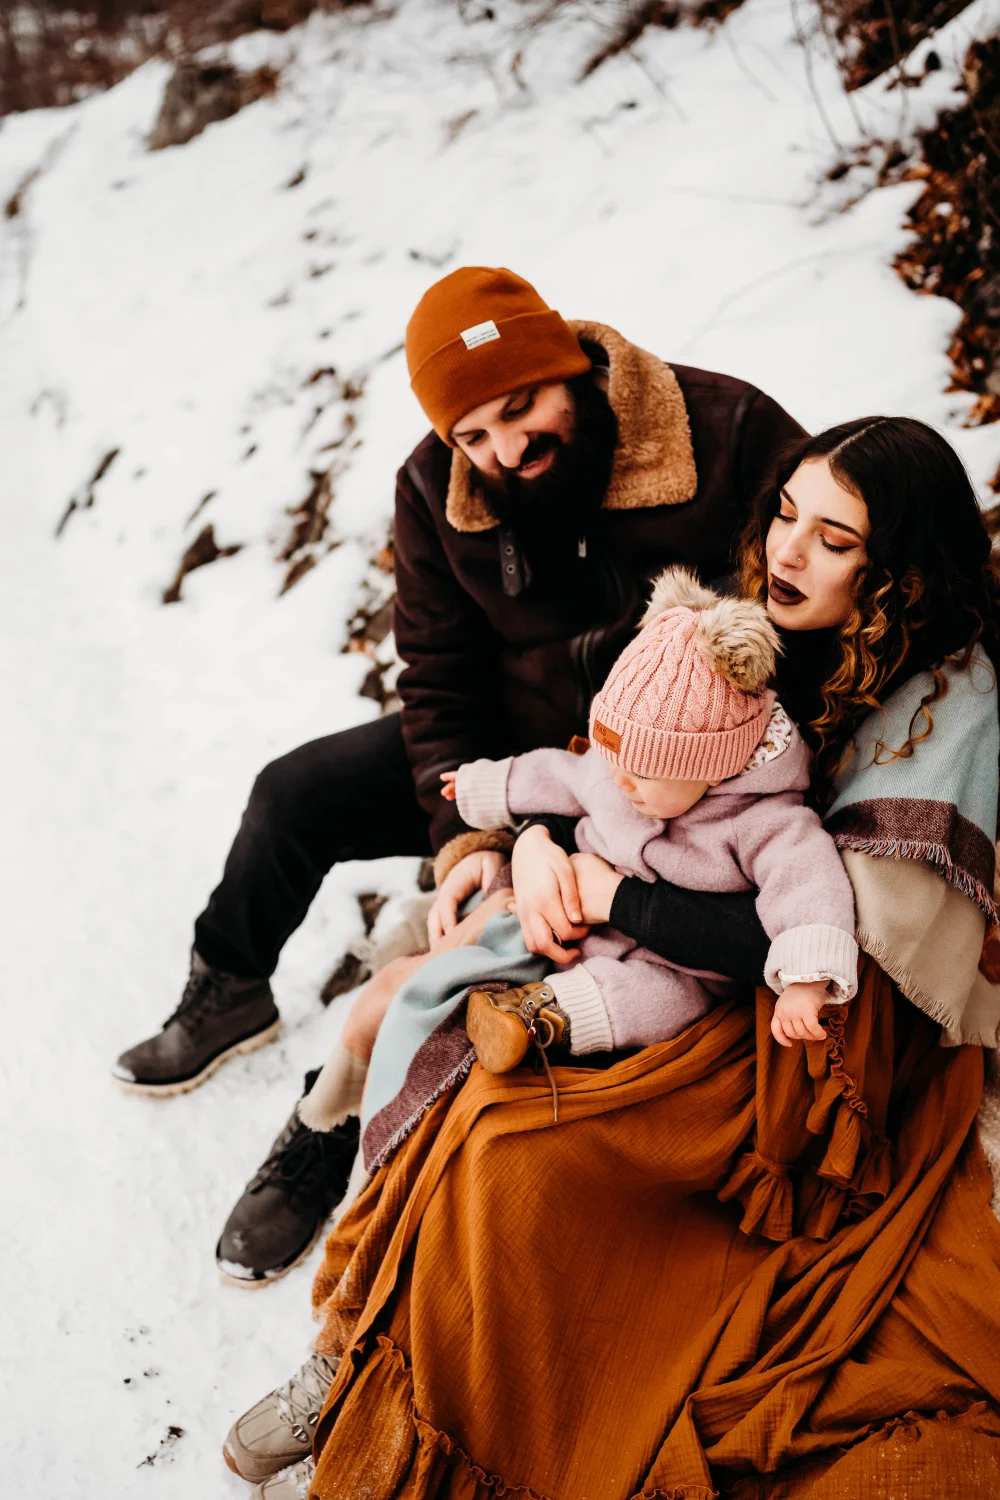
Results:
301 1159
304 1473
300 1399
527 1006
541 1051
200 999
542 1034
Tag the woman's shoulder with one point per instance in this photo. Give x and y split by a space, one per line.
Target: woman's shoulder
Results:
934 715
970 684
932 718
922 775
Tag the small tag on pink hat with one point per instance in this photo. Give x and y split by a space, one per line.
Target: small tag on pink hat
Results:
609 738
482 333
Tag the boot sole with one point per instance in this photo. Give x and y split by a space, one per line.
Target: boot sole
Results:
246 1285
185 1085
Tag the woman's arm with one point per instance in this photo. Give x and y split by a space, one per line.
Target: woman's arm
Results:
720 931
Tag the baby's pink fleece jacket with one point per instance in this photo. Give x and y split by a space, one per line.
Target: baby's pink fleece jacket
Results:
751 831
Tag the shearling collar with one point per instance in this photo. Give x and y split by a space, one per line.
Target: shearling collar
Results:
654 458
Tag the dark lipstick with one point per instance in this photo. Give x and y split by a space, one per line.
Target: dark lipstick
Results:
782 592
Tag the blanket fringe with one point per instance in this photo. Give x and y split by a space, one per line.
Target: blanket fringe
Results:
911 987
457 1075
927 853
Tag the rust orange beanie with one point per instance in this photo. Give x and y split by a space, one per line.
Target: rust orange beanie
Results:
480 333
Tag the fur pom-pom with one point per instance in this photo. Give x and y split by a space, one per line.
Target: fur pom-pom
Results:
739 642
676 588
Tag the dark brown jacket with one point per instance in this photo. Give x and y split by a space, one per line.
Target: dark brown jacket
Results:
494 667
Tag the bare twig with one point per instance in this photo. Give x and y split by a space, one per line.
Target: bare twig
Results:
752 286
810 79
743 67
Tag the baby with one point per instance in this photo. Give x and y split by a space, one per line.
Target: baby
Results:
695 775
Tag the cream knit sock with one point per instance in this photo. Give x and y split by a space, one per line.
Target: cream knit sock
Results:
336 1092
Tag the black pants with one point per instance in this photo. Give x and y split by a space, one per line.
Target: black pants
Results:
347 796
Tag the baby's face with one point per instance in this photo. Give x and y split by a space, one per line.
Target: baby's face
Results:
660 796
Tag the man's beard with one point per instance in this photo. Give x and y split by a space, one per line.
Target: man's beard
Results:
549 515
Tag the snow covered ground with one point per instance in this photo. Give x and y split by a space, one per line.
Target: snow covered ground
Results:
185 309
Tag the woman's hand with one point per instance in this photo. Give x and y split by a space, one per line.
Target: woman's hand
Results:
545 896
796 1013
476 872
596 882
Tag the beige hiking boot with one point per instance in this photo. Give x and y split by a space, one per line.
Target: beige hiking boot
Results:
278 1431
288 1484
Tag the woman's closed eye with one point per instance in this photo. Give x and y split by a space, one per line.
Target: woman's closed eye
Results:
789 519
831 548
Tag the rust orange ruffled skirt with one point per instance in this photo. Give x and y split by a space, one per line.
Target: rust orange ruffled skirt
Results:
729 1269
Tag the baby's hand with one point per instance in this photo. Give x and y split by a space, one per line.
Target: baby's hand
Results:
448 791
796 1013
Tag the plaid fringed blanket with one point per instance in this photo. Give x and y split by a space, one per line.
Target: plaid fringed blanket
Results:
937 804
916 833
422 1049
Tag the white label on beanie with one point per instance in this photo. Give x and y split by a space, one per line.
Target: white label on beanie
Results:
483 333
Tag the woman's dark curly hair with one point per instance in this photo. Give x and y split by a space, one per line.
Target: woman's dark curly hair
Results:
927 590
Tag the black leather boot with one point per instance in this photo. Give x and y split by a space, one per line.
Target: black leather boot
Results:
285 1206
219 1017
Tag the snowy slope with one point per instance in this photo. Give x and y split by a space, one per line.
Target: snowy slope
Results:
181 308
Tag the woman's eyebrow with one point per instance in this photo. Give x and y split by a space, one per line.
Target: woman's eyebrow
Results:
826 520
841 526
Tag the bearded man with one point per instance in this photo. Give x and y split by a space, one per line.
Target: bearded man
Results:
566 467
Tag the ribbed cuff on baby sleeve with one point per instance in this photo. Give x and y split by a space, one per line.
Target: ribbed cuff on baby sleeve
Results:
817 952
481 793
578 994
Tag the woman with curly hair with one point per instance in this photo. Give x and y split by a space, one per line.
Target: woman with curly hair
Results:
919 590
731 1267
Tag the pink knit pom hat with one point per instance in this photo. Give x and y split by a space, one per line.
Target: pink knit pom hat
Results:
687 699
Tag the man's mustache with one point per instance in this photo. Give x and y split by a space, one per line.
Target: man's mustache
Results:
537 447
